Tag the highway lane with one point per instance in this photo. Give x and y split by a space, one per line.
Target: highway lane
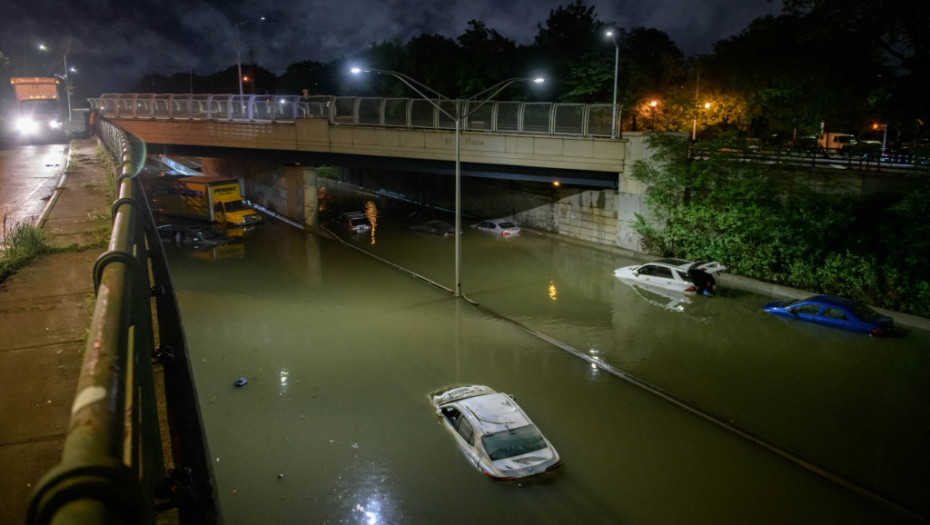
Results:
28 176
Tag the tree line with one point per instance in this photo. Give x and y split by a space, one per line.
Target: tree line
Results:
821 65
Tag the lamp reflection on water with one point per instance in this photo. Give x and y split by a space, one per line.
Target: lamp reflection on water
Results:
371 211
283 376
553 292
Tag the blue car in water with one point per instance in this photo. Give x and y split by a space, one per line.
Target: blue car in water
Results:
830 310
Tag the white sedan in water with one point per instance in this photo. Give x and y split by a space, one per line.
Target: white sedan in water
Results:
500 227
494 433
677 275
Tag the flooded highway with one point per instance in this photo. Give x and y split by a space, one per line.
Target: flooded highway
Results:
341 350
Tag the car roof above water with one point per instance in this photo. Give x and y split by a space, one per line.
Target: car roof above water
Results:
496 412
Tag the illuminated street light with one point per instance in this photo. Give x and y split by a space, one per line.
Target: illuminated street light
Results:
653 104
613 119
238 53
490 92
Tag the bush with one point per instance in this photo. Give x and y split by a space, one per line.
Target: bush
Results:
870 248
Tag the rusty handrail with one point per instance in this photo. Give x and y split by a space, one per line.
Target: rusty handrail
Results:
112 469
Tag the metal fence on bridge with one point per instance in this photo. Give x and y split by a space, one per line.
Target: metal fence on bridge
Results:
541 118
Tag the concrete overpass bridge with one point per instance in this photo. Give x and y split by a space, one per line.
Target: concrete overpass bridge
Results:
565 145
540 141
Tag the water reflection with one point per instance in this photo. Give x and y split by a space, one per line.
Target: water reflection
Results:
553 292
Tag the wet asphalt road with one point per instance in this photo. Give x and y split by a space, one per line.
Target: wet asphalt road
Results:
28 176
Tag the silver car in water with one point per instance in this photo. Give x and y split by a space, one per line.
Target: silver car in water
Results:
494 433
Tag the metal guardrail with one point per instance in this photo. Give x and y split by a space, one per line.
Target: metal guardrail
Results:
112 469
543 118
812 159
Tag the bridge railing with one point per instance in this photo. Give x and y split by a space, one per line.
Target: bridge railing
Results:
189 106
112 469
541 118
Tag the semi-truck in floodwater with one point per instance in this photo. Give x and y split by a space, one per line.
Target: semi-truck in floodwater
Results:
38 112
205 198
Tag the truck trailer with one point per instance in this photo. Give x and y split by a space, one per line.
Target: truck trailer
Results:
38 112
206 198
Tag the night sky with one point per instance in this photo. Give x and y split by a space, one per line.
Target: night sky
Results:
112 44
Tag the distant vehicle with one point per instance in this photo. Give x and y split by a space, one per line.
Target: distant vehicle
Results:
38 109
206 198
194 236
677 275
830 310
870 150
805 144
494 433
433 227
836 142
356 221
501 227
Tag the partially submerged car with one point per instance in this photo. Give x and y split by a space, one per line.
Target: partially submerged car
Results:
500 227
356 222
494 433
831 310
677 275
433 227
193 236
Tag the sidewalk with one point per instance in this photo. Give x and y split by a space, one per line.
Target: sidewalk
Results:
45 311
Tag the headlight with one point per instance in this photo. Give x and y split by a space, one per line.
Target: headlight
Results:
54 124
26 125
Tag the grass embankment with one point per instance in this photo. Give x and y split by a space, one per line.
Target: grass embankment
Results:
21 243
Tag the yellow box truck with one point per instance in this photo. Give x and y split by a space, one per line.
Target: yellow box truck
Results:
206 198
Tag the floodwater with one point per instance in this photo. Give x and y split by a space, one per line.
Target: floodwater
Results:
341 350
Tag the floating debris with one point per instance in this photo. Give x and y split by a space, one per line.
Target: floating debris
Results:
241 382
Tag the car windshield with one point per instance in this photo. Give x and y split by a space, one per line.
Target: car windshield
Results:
358 221
513 442
507 225
237 206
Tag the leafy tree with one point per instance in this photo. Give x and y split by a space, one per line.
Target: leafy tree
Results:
316 77
570 49
486 58
898 31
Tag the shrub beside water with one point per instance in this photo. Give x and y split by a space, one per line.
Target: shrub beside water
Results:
763 222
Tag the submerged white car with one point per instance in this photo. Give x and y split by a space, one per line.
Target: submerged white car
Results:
501 227
677 275
494 433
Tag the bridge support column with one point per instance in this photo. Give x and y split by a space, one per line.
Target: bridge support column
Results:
311 197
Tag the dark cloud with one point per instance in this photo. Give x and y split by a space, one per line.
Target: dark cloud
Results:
114 43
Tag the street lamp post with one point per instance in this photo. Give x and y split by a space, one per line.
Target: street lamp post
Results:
64 78
489 93
613 120
238 52
653 104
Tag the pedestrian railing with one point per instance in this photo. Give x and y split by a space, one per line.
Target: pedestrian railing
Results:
541 118
112 469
